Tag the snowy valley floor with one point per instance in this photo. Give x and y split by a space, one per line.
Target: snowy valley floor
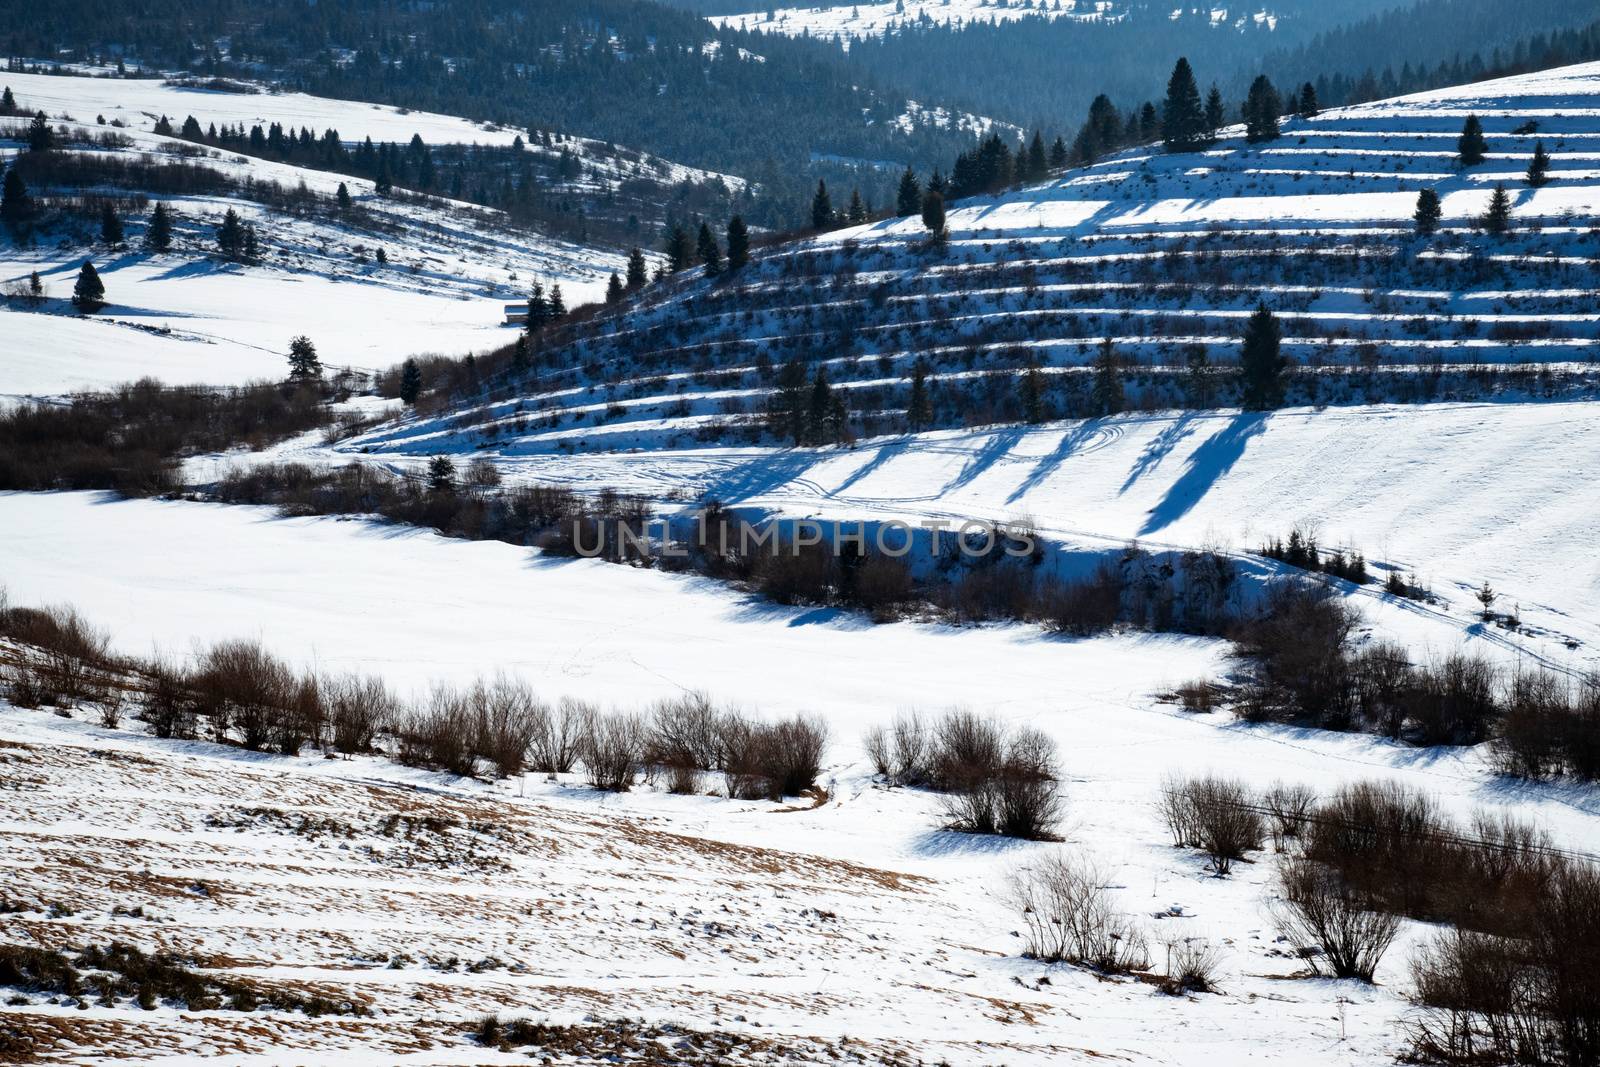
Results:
857 918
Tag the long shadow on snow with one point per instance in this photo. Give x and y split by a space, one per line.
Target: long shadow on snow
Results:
759 474
1001 442
884 454
1047 465
954 843
1213 459
1159 448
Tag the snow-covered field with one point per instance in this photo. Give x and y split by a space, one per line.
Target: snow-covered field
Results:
855 919
845 21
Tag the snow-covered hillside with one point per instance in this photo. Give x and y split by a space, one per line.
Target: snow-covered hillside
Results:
185 316
845 21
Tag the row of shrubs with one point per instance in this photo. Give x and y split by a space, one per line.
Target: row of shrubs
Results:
130 439
994 779
1516 975
236 692
1303 667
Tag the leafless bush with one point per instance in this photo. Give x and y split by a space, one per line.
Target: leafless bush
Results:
440 735
685 738
1289 807
558 735
1087 607
1192 964
612 748
359 709
771 760
1214 814
170 706
243 687
509 717
1531 999
1334 925
1015 795
1068 915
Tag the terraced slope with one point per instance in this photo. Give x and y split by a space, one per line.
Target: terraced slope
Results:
1166 255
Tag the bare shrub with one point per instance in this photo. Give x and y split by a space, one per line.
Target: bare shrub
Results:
1085 607
1192 964
1214 814
1532 727
1201 696
1015 796
1289 808
359 709
685 738
1296 646
1068 915
243 687
901 751
440 735
612 748
509 717
1334 925
170 706
558 735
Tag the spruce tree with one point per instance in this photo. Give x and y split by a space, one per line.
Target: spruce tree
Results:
1471 147
1149 123
304 366
41 138
1497 219
1058 155
738 243
919 411
251 248
819 409
16 206
519 352
1260 362
110 224
441 475
1539 166
8 103
1262 108
933 213
614 290
556 310
908 198
680 251
230 236
1038 164
1183 118
638 272
707 252
1428 213
538 309
1032 394
1216 113
410 382
789 401
857 211
158 234
89 293
821 209
1305 105
1108 398
342 197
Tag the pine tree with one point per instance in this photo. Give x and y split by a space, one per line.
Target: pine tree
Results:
680 251
789 401
614 291
638 273
1262 108
919 411
933 213
441 475
1149 123
89 293
1429 212
16 206
1305 105
519 353
1183 118
707 250
230 236
1471 147
1108 399
342 197
1037 166
35 289
1058 155
8 103
158 234
110 224
1032 394
857 211
1216 113
304 366
41 138
556 309
251 248
538 309
410 382
1497 219
908 199
738 243
820 408
821 209
1539 166
1260 362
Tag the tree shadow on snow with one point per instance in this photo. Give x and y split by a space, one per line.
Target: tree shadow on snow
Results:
1207 465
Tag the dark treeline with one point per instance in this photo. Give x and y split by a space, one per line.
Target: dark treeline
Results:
651 80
